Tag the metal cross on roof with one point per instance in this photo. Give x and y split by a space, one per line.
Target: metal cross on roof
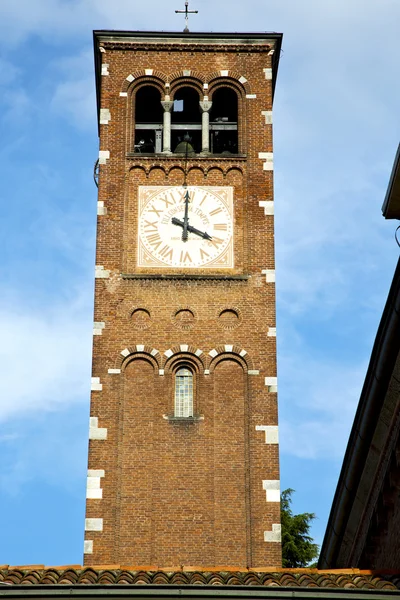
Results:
187 12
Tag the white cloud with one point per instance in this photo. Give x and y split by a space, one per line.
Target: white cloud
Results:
44 358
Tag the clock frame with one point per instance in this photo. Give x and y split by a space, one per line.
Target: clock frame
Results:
209 241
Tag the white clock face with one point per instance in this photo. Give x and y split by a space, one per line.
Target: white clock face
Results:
196 238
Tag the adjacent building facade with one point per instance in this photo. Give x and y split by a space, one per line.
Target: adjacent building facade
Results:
183 451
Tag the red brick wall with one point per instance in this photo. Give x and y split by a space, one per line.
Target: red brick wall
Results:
184 493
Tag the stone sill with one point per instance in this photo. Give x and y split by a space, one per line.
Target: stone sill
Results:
183 420
184 276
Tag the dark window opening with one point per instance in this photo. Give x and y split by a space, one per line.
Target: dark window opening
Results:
224 122
186 122
148 120
188 101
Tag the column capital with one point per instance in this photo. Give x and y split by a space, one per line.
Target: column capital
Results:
205 105
167 105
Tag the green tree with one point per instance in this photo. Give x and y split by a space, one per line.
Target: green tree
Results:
298 548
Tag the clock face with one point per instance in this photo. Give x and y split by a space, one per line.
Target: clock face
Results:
201 239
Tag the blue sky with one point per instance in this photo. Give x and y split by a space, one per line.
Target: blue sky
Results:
336 130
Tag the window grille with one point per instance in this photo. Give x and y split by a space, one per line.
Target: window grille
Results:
184 393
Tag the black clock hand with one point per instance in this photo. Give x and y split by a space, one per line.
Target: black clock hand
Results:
191 229
186 218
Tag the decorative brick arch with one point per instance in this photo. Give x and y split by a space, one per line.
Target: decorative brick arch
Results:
187 82
144 168
234 168
138 351
157 166
179 353
143 74
215 355
231 75
187 73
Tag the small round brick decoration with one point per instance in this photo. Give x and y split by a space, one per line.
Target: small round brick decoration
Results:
184 318
141 318
229 318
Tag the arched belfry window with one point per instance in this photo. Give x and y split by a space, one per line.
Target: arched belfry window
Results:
224 122
183 392
186 121
148 120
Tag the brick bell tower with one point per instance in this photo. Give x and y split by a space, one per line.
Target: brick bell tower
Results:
183 451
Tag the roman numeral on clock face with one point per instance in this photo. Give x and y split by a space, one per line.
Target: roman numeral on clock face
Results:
185 257
215 211
221 227
150 225
166 252
154 240
215 241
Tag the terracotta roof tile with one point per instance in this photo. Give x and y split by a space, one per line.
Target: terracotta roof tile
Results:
186 576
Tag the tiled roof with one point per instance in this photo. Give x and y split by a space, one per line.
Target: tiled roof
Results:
119 575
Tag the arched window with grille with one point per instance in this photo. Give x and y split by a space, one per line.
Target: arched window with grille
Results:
183 392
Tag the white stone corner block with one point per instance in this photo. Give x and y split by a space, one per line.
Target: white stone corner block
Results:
139 348
161 371
114 371
242 79
272 384
96 432
94 494
272 489
268 73
98 327
213 353
206 371
104 155
96 472
271 332
123 94
267 114
130 78
184 347
148 71
275 535
228 348
268 206
104 69
105 116
168 353
93 524
224 73
154 352
269 275
268 158
101 209
96 386
126 352
242 353
187 72
251 96
198 352
271 433
253 372
100 272
88 547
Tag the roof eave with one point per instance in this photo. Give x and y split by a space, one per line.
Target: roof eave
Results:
391 204
382 361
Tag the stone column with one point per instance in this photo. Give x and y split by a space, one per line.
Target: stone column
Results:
167 105
205 106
